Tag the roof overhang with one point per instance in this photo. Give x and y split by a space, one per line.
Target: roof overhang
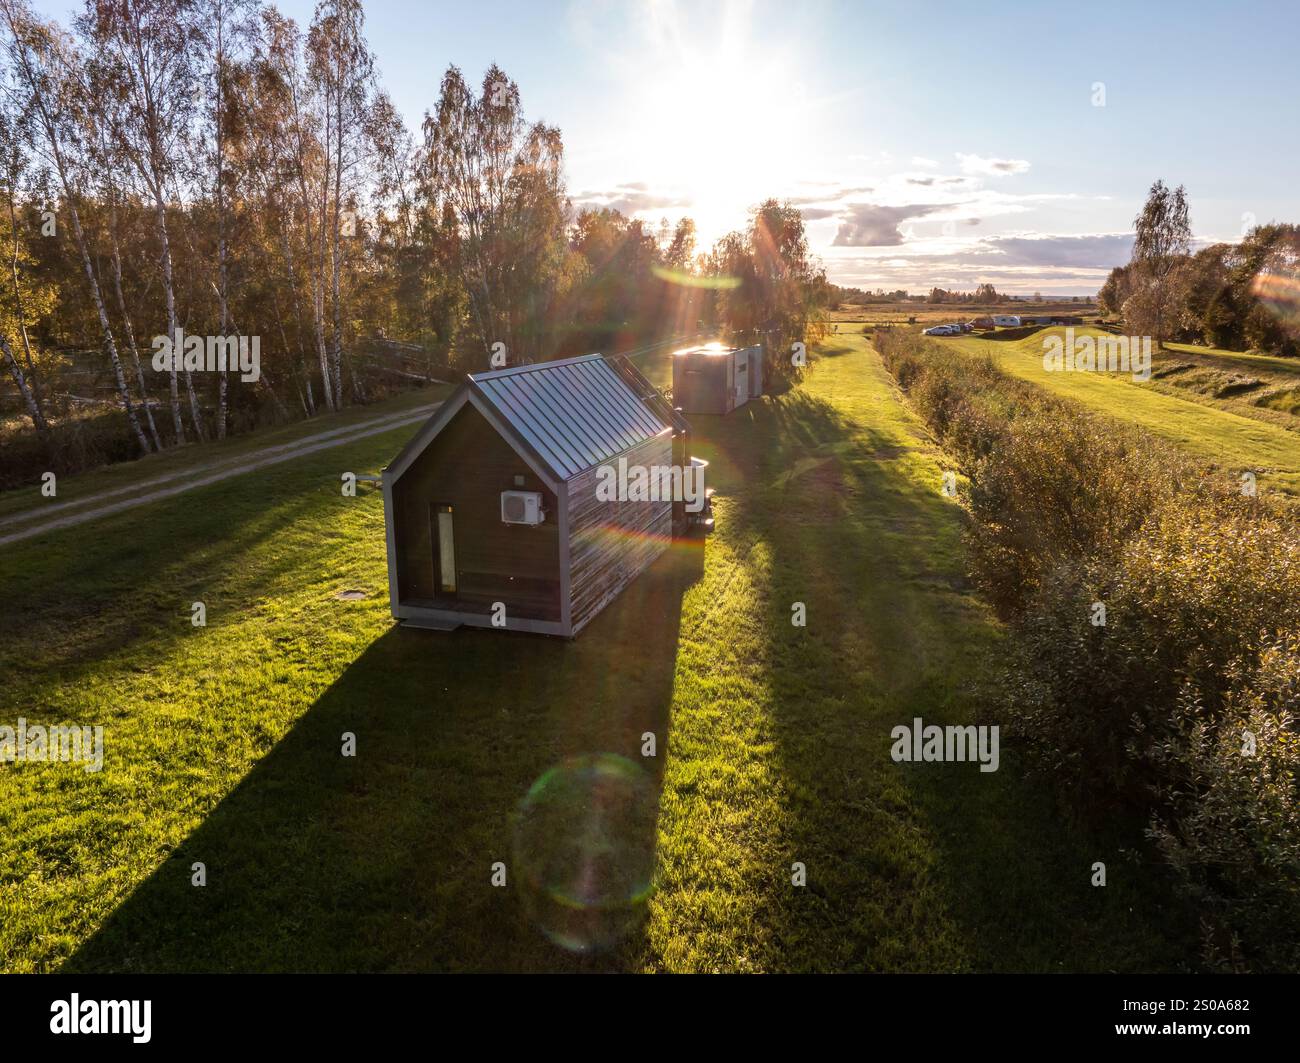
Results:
465 394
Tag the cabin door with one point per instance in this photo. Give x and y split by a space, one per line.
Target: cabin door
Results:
443 526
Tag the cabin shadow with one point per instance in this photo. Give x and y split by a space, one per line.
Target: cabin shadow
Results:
831 350
76 609
80 622
384 861
933 866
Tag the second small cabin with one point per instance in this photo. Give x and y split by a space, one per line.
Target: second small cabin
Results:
715 378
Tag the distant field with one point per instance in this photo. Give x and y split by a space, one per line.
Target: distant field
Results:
939 313
1213 420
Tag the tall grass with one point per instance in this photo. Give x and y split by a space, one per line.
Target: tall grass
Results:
1179 704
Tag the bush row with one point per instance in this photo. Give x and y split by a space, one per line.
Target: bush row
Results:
1156 618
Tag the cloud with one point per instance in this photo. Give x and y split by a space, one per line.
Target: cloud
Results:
628 199
921 276
870 225
1025 250
977 164
923 163
817 213
833 194
1019 262
1085 251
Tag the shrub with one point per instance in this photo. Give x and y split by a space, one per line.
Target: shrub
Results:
1229 824
71 445
1140 716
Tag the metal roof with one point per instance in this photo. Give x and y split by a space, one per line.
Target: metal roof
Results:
573 414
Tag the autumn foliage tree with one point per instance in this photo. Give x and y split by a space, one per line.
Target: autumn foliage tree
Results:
1163 234
776 291
497 182
211 168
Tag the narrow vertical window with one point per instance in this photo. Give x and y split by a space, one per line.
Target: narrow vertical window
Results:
446 552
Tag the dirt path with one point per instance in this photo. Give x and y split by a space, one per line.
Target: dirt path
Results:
198 476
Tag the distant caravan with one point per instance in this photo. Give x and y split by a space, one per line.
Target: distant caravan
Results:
715 378
1006 320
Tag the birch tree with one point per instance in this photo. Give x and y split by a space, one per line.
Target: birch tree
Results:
304 165
501 180
1163 236
342 68
225 27
113 187
148 47
276 189
14 315
41 57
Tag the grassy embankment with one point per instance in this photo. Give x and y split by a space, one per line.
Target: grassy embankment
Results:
1210 419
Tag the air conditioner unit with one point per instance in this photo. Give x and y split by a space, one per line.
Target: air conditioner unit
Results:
522 507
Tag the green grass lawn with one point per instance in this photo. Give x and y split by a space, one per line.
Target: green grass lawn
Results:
223 743
1218 431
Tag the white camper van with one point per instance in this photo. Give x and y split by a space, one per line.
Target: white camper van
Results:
1006 321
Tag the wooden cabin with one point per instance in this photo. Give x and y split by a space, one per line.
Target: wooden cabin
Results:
492 511
715 378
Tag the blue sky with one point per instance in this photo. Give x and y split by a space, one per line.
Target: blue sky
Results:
928 143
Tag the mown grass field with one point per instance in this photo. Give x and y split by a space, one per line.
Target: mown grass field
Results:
223 742
1214 429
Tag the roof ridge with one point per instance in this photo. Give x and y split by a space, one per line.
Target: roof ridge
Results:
493 374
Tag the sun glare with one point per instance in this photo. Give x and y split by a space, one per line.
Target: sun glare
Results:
702 116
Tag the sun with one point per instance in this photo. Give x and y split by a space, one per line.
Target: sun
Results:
703 118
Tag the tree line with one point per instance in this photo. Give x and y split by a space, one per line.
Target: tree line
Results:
1242 296
985 294
208 168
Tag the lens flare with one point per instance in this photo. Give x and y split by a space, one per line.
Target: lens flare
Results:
584 848
1279 292
690 280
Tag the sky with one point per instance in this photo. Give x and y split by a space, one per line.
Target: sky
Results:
926 143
